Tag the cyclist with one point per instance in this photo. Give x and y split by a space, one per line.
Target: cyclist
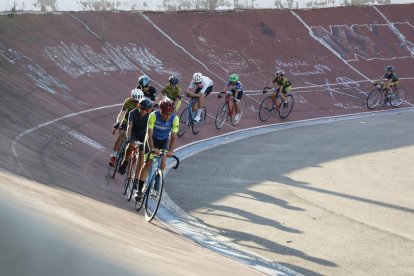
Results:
149 90
161 134
284 85
122 121
235 86
392 79
173 91
136 130
199 88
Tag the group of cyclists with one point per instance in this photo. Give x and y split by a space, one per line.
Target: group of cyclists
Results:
157 129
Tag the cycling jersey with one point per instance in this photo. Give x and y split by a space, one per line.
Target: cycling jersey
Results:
283 81
237 86
393 77
172 92
161 129
205 84
128 106
150 94
139 124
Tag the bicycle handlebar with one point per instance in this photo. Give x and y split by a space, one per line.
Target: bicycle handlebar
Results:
177 160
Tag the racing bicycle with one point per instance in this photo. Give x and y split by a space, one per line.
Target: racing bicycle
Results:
226 110
152 190
132 171
187 119
273 103
119 155
379 95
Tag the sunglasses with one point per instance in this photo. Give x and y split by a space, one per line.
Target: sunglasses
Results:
198 83
146 86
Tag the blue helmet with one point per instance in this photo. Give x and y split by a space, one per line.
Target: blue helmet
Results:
144 80
389 68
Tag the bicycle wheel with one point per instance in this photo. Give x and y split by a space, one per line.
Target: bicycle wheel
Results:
267 107
235 121
184 122
138 204
197 126
286 108
153 199
127 177
119 156
374 98
398 97
221 115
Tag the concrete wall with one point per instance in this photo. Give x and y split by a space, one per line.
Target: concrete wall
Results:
10 6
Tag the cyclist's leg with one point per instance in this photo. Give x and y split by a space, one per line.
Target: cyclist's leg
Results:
177 104
237 105
121 136
125 159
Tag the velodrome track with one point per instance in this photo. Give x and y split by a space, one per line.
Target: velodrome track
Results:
63 77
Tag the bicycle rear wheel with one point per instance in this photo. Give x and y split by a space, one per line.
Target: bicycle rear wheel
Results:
374 98
197 126
398 97
184 122
221 115
138 204
235 121
119 156
153 199
286 108
267 107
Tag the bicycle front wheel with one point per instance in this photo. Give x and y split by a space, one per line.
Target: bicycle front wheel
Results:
398 97
184 121
221 115
267 107
153 199
119 157
374 98
286 108
197 126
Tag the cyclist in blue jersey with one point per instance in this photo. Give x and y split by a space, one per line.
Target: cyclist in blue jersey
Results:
161 134
235 86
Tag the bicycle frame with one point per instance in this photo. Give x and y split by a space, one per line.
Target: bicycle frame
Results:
187 119
152 189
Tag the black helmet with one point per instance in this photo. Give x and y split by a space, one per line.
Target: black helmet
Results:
173 80
144 80
389 68
145 103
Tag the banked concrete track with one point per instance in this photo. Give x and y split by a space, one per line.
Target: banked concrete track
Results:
63 77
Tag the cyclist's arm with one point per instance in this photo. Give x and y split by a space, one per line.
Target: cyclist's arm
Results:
173 135
150 130
121 116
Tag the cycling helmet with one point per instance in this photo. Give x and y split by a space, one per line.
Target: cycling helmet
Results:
234 77
144 80
173 80
389 68
280 73
137 94
167 105
198 77
145 103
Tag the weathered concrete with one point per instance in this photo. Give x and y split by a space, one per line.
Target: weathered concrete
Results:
62 78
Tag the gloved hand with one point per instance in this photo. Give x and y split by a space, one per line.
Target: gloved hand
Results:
116 126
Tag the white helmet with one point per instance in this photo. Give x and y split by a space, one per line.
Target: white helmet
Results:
198 77
137 94
280 73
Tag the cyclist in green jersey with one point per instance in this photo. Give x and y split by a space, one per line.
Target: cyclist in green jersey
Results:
284 85
122 121
173 91
161 134
392 79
